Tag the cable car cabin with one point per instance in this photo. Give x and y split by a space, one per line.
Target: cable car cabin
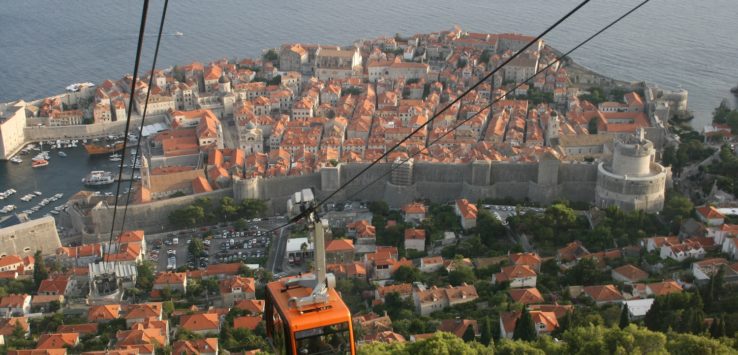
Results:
318 329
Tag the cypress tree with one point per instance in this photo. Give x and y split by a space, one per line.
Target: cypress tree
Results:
714 328
525 329
495 329
469 334
39 269
486 331
624 317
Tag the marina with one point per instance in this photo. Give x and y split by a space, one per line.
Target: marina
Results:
44 190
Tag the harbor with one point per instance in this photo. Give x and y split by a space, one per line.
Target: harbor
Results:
40 189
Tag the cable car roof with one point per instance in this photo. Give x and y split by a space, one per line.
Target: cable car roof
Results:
335 311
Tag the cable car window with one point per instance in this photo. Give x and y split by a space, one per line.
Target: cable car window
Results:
331 339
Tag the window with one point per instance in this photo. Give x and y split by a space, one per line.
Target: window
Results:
331 339
27 249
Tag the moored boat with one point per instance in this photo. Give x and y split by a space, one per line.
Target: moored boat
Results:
39 163
97 148
98 177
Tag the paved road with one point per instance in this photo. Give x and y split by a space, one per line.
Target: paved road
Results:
274 264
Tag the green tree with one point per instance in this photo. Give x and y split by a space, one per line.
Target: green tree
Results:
624 317
228 209
167 308
378 208
196 248
250 208
39 270
446 343
592 126
525 329
461 274
677 207
469 334
585 272
491 231
145 277
508 347
187 217
406 274
486 331
679 344
271 56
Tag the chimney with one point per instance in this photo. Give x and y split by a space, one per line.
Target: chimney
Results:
458 320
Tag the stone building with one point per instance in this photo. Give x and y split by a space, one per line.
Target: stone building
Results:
632 180
22 236
12 122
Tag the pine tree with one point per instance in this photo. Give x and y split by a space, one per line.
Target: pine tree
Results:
624 317
486 330
39 269
525 329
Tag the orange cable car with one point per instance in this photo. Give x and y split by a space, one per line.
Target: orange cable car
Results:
305 314
324 329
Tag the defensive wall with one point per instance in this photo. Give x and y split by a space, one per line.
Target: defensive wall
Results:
38 133
542 182
152 217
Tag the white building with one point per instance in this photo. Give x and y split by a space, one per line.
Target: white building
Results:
299 249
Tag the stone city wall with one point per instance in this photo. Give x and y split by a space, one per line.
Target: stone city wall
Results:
37 133
433 181
151 217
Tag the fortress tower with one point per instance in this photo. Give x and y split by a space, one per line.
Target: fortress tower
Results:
632 180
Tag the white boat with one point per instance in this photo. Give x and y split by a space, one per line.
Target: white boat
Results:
115 159
96 178
178 34
62 154
78 86
16 160
38 193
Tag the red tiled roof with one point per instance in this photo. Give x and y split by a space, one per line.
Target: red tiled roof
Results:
200 322
709 212
631 272
103 312
248 322
526 295
86 328
414 233
513 272
664 287
57 340
603 293
252 306
339 245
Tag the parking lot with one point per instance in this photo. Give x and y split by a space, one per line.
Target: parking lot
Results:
223 244
503 212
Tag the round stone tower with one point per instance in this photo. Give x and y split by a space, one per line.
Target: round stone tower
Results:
632 180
